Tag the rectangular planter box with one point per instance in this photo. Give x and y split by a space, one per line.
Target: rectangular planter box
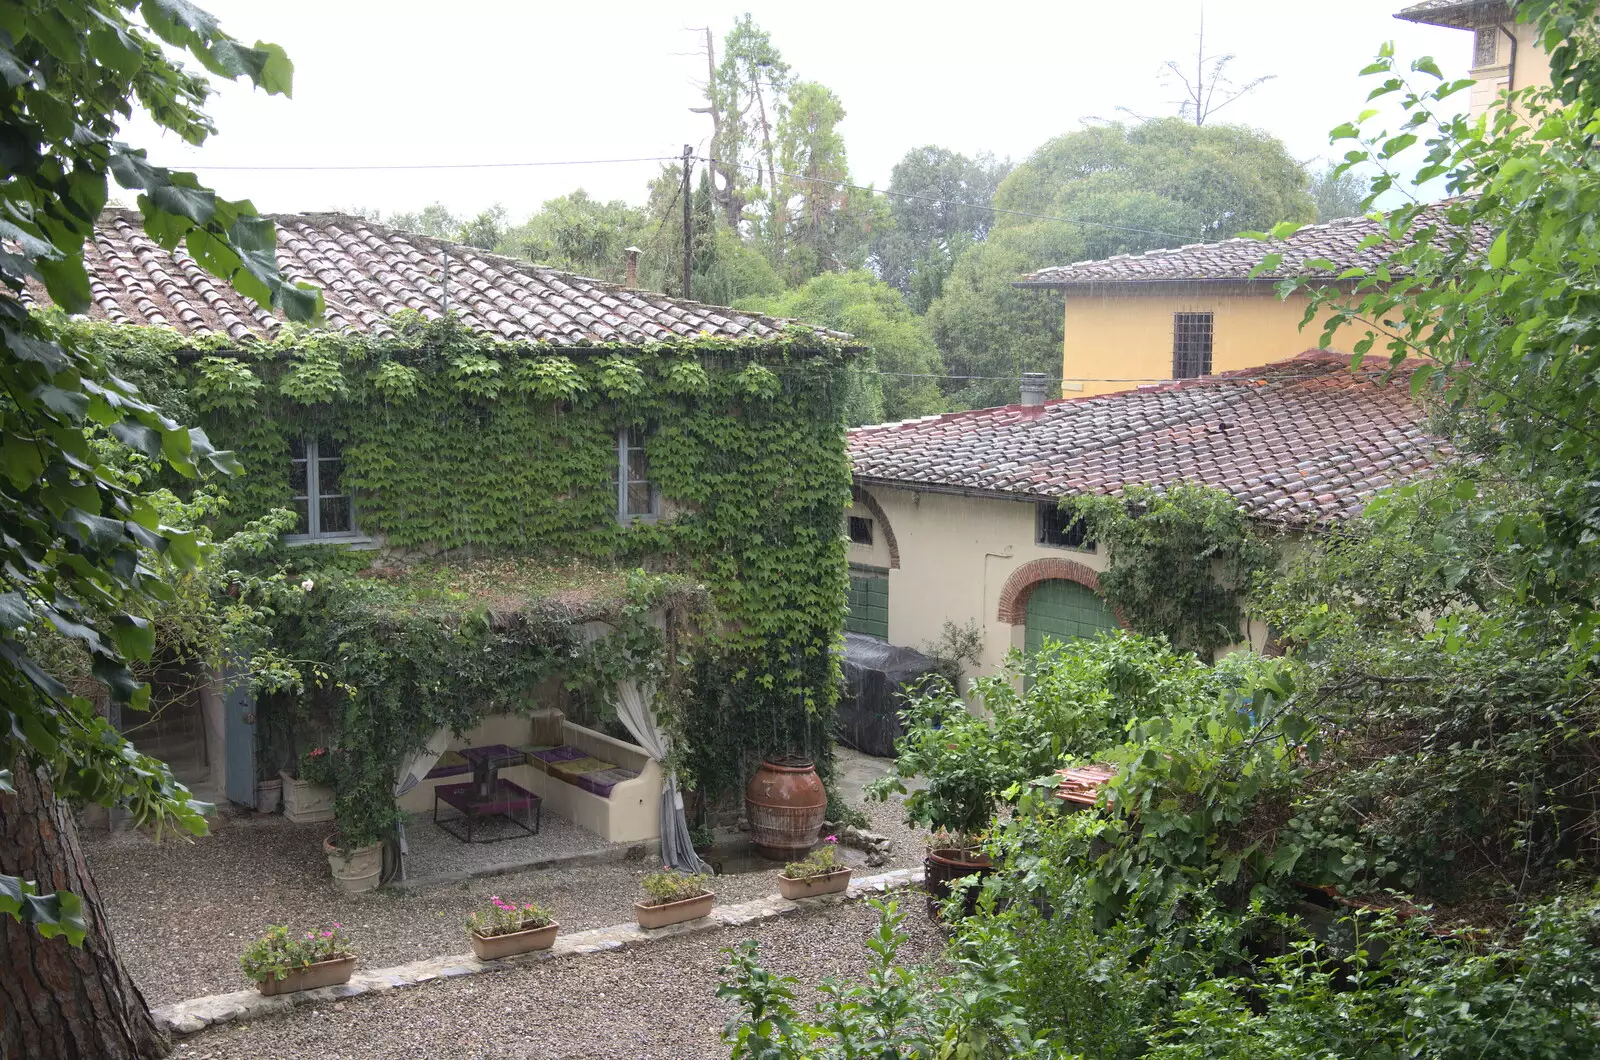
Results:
657 916
811 886
494 947
324 973
304 802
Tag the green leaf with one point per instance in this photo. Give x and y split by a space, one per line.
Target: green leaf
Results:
1426 65
1497 251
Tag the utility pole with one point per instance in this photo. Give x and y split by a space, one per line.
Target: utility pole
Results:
688 223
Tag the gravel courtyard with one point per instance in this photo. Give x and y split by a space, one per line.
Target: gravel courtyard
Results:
654 1003
181 912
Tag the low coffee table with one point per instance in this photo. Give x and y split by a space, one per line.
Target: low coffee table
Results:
507 800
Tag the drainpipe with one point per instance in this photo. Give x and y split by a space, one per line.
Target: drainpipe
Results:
1035 385
1511 60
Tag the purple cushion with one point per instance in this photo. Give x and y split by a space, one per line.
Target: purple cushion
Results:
602 782
564 753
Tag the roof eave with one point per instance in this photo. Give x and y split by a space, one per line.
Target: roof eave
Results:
1463 14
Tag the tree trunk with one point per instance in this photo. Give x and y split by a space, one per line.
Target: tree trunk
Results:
57 1001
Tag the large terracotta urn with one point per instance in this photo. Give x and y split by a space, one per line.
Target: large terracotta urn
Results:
786 806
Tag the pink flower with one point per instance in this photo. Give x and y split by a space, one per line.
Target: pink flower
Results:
529 907
337 925
327 934
833 839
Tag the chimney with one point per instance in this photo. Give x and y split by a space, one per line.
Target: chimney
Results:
633 267
1034 387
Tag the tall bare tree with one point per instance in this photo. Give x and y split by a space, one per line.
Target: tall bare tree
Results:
1210 88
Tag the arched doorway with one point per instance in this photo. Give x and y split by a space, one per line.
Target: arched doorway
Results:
1063 610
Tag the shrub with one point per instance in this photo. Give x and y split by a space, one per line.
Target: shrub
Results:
275 954
819 862
670 885
503 917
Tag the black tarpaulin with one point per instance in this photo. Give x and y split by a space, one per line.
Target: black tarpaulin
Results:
877 677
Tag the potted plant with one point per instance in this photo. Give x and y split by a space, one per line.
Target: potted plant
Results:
671 897
820 873
962 764
506 929
365 811
308 795
279 963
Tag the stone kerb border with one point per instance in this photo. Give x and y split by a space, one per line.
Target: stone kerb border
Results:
196 1014
1023 580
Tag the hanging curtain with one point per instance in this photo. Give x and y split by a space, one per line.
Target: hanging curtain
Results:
409 775
634 709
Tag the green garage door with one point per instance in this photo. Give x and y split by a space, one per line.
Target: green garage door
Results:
869 602
1062 610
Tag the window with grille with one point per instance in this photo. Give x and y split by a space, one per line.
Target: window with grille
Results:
637 497
1485 46
316 484
1062 529
1191 345
860 530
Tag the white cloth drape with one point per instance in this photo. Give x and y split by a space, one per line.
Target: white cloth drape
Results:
409 775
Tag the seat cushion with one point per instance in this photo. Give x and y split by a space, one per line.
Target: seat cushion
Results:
450 764
574 768
601 782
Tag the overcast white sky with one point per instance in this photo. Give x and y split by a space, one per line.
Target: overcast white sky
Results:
397 82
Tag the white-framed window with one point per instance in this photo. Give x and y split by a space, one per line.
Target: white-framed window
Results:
326 509
638 500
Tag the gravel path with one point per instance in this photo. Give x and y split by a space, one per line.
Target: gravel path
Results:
654 1003
181 911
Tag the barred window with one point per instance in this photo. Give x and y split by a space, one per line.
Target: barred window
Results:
860 530
1062 529
1191 345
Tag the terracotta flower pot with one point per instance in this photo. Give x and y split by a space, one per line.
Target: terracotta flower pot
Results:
357 869
942 867
494 947
323 973
811 886
785 805
657 916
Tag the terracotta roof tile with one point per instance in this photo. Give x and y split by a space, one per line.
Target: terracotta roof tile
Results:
1230 259
1278 438
369 272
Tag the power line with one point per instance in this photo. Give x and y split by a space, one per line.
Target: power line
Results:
442 165
965 205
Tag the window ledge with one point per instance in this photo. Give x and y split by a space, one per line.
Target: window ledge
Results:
352 541
1088 550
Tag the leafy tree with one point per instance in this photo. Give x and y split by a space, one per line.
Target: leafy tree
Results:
1338 194
486 231
900 381
1122 189
580 234
743 98
814 224
1226 179
80 544
433 220
939 204
989 331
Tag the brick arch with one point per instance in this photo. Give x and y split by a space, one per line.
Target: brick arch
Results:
1023 580
870 503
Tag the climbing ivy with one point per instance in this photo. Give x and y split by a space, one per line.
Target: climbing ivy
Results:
1179 560
457 444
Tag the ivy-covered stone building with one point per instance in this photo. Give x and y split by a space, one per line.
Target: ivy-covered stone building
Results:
458 405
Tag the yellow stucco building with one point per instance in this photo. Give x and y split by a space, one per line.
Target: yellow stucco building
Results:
1505 54
1192 311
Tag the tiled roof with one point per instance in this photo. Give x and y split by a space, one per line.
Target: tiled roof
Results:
1459 14
1302 441
369 272
1231 259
